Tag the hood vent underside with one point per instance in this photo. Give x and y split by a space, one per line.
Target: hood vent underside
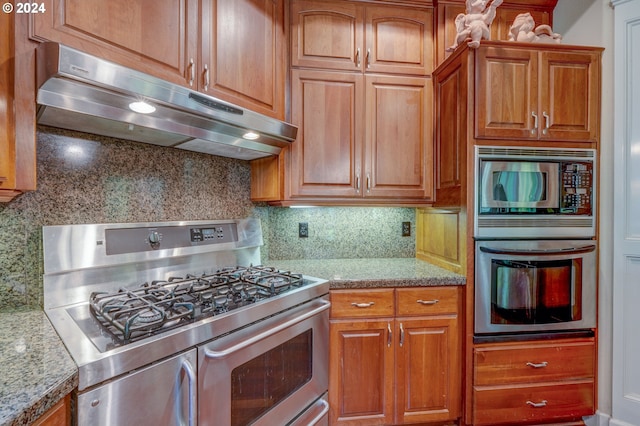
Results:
81 92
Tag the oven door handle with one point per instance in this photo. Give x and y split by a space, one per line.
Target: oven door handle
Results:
282 326
186 366
567 250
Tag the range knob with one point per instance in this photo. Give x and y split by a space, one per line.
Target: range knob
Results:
154 238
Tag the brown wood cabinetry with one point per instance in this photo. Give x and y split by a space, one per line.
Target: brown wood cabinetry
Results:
403 347
537 94
17 135
58 415
362 100
355 37
360 136
540 10
231 50
533 381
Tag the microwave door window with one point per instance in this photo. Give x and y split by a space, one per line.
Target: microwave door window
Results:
519 189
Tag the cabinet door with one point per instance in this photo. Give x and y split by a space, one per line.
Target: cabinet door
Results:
361 372
506 104
399 40
428 376
399 160
326 157
570 95
327 34
242 45
158 38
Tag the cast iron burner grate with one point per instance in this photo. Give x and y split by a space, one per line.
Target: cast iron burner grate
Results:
152 308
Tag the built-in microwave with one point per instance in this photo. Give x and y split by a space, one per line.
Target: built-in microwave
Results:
534 192
535 286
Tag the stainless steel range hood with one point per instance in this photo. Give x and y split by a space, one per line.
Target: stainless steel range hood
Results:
78 91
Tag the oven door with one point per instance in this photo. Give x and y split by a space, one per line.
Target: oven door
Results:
267 373
535 286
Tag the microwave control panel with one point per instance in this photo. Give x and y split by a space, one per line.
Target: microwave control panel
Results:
576 179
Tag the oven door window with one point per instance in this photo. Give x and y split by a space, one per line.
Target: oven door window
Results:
264 381
535 292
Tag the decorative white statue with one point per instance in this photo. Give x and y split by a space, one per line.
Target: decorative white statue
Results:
475 23
524 30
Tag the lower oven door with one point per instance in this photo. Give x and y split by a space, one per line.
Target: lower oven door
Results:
160 394
267 373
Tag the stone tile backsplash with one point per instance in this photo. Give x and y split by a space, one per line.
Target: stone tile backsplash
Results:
85 178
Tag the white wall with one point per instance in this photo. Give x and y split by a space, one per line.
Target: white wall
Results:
590 22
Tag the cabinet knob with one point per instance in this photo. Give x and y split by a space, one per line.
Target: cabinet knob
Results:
540 404
427 302
538 365
358 57
206 78
546 122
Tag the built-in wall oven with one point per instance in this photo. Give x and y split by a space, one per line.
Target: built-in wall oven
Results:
534 229
535 286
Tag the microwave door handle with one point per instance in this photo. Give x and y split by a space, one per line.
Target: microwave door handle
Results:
567 250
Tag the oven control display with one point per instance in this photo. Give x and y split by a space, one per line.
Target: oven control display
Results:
207 234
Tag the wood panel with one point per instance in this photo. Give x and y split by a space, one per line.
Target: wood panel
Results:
399 154
427 301
555 400
361 369
58 415
327 154
441 238
243 48
399 41
141 35
362 304
7 119
428 383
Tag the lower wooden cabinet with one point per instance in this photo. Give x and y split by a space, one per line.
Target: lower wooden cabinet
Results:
395 356
58 415
533 381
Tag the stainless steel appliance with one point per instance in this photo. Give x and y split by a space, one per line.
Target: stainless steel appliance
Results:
535 286
177 323
534 192
82 92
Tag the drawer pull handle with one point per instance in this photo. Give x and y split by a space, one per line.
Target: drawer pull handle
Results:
389 335
362 305
540 365
428 302
540 404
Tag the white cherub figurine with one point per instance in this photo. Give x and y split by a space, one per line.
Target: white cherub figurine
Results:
475 23
524 30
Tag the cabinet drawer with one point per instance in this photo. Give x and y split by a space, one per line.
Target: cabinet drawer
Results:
533 363
427 301
362 303
501 404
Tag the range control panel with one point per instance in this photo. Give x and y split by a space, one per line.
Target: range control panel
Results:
135 240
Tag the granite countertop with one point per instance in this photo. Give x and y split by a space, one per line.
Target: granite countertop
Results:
371 273
36 371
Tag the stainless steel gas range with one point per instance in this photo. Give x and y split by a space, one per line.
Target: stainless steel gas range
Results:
177 323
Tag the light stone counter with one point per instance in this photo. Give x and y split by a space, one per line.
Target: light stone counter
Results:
372 273
36 371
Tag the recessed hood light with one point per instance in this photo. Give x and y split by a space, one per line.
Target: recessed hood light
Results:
142 107
252 136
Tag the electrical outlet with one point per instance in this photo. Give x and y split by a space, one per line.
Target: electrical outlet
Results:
406 229
303 229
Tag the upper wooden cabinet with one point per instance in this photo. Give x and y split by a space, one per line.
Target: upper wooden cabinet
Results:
233 50
540 10
360 137
17 112
157 38
537 94
355 37
243 53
